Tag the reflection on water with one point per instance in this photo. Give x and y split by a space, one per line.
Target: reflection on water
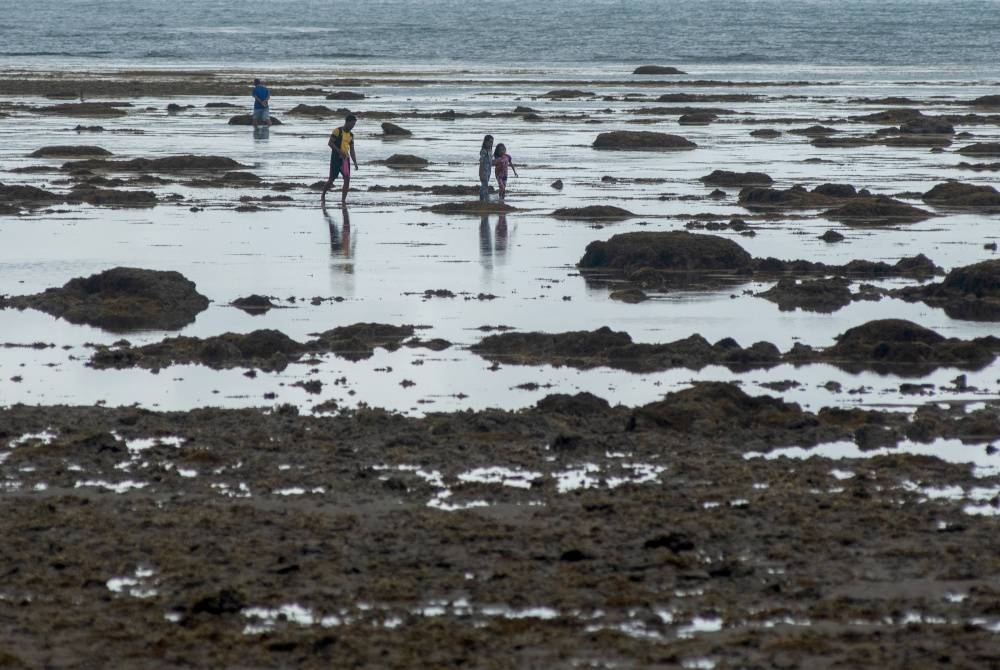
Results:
492 244
340 237
262 132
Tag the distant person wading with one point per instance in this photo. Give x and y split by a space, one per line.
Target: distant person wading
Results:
261 104
341 155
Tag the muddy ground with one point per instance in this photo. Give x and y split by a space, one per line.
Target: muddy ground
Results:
675 547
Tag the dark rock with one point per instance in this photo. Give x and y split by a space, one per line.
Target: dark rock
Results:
981 149
673 251
112 197
766 133
605 212
69 151
876 211
247 120
697 119
405 161
629 295
313 111
842 142
184 163
557 184
641 140
254 304
889 116
733 179
345 95
971 292
656 69
817 295
30 196
121 299
474 207
568 93
831 236
392 129
581 404
86 109
959 194
814 131
927 125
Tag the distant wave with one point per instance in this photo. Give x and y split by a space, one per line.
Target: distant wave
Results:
741 57
68 54
344 54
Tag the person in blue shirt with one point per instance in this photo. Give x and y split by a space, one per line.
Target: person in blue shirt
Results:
261 104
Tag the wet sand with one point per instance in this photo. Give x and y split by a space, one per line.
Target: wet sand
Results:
422 505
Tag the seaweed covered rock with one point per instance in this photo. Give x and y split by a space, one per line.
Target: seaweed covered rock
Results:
959 194
475 207
727 178
816 295
641 140
183 163
247 120
111 197
603 212
121 299
392 130
405 161
264 349
28 196
69 151
898 343
714 408
254 304
981 149
889 116
345 95
312 111
926 125
85 109
796 197
876 211
678 251
971 292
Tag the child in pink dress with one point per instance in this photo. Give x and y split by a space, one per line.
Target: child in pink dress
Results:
501 161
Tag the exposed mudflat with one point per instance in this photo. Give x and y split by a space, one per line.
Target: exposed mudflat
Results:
735 405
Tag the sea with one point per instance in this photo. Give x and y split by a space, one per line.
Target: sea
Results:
939 36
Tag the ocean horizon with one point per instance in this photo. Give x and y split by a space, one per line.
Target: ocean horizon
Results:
893 33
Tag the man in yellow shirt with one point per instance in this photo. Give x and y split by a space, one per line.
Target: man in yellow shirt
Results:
341 154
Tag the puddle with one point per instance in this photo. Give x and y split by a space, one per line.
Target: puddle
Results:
136 585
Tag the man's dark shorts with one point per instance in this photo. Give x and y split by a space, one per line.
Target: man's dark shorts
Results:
339 165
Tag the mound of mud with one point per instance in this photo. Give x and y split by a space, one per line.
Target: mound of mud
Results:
981 149
27 196
405 161
876 211
71 151
604 212
959 194
391 129
476 207
765 133
312 111
247 120
816 295
86 109
656 69
184 163
797 197
734 179
971 292
672 251
267 349
121 299
641 140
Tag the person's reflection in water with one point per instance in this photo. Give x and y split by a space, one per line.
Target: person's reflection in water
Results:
501 238
485 243
262 132
340 238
